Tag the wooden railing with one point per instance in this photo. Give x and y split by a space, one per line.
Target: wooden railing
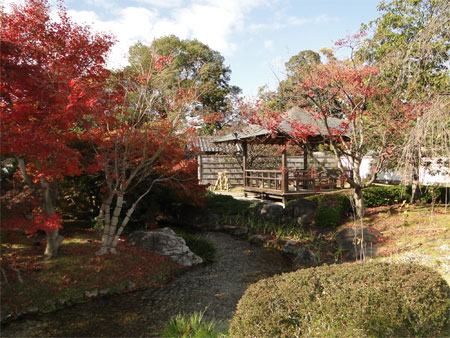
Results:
264 179
292 181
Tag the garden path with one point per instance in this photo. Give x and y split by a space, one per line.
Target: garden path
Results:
216 287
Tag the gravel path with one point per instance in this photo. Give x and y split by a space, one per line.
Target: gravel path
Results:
216 288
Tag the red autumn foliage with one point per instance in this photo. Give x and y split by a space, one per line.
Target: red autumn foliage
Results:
352 92
145 143
52 84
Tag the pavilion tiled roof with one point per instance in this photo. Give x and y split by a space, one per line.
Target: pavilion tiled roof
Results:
207 145
294 114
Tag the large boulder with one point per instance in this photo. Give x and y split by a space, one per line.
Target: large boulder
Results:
257 239
290 247
305 257
271 212
235 230
205 221
359 242
302 210
166 243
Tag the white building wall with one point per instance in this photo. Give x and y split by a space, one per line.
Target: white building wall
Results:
436 173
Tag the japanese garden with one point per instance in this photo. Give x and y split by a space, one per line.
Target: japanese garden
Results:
156 200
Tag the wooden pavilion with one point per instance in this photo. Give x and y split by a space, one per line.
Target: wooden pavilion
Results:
283 183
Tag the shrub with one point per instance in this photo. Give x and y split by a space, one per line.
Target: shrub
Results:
193 326
226 205
431 193
347 300
377 196
332 209
327 216
200 245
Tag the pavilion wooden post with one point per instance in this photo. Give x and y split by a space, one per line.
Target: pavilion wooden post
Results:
200 169
244 165
284 176
305 158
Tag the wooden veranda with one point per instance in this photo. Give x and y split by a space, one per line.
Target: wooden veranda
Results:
285 183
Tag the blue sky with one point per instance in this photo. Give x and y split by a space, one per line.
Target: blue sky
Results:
256 37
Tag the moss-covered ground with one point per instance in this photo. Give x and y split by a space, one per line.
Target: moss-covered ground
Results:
50 284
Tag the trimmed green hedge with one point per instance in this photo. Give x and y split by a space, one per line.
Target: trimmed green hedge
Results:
327 216
428 193
377 196
348 300
332 209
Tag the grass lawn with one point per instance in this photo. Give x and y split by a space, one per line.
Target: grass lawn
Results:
419 234
51 284
412 233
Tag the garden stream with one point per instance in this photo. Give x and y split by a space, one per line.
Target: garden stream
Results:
214 288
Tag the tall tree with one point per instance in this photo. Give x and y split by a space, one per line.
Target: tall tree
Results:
146 144
410 44
285 95
193 64
350 91
52 83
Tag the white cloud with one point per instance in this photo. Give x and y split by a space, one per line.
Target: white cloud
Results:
6 5
212 22
161 3
276 65
324 18
268 43
234 5
212 25
254 27
165 27
289 21
294 21
84 17
132 24
106 4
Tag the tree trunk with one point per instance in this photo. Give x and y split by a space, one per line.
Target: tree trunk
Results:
122 226
357 186
359 202
54 239
47 202
110 226
415 188
415 193
104 213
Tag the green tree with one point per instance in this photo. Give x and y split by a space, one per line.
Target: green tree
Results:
193 63
304 59
286 95
410 44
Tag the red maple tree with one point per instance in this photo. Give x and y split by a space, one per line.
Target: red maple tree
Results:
370 117
145 144
52 83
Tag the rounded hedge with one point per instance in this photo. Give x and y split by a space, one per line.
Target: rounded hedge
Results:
332 209
347 300
327 216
